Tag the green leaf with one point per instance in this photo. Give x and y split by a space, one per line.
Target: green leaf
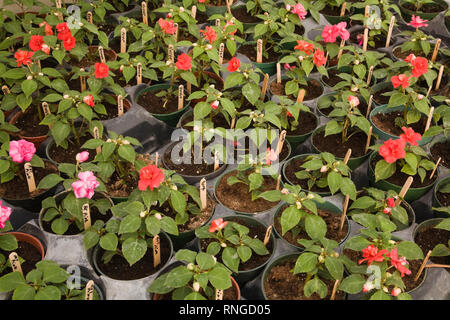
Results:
384 170
335 267
134 249
444 224
28 87
205 261
290 218
90 239
109 242
55 274
49 181
169 225
409 250
245 253
178 201
230 258
127 152
220 278
130 224
315 226
316 285
353 284
380 295
48 293
186 255
334 180
305 263
178 277
60 226
8 242
252 92
11 281
24 292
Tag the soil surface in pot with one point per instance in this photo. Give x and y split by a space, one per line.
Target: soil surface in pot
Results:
313 89
282 284
333 77
426 8
17 188
292 168
243 16
240 145
386 123
61 155
201 18
404 54
332 220
441 150
380 40
237 197
332 11
428 238
118 187
112 110
256 231
444 198
408 280
250 52
333 144
332 61
194 221
26 251
92 57
28 123
73 229
379 98
119 268
306 124
187 169
399 178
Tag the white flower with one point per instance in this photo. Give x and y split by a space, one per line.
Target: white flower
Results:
288 7
223 245
143 214
30 78
196 286
181 9
158 216
190 266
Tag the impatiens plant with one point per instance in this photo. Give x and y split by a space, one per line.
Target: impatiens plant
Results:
441 249
411 158
48 281
417 42
233 240
197 278
322 170
8 242
290 114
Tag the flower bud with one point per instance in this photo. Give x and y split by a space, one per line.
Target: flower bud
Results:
223 245
143 214
300 58
174 187
288 7
368 286
196 286
285 191
310 196
356 62
387 211
208 47
324 169
388 274
419 96
30 78
190 266
321 259
385 289
158 216
298 204
391 241
396 291
181 9
122 66
41 74
215 260
66 96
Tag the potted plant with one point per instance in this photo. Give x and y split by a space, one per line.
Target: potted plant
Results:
440 197
426 9
332 10
433 235
197 276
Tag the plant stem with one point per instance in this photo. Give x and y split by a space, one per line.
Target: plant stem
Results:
75 132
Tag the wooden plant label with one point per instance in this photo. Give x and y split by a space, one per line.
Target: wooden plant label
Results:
267 236
333 293
281 142
422 266
435 167
439 78
189 87
436 50
344 5
82 81
369 137
15 263
369 77
123 40
175 35
404 190
344 212
369 106
156 251
221 52
219 294
216 160
233 122
217 22
144 13
139 73
171 53
259 48
389 35
97 136
86 210
89 294
278 72
45 108
229 5
301 95
430 117
89 17
341 49
5 90
429 91
180 97
203 193
58 4
101 53
120 105
366 38
30 177
156 158
278 182
194 11
264 86
347 155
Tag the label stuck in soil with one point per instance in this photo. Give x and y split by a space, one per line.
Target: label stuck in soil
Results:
156 251
86 216
15 263
30 177
267 236
89 290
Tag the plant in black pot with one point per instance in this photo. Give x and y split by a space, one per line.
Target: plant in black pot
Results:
417 41
433 235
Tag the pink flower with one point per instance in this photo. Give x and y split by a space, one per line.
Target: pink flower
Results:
21 151
368 286
390 202
360 39
215 105
396 291
299 10
329 34
399 264
84 188
400 80
342 31
288 67
89 100
410 58
82 156
271 155
420 66
392 150
167 26
411 137
5 212
354 101
150 176
417 22
387 211
217 224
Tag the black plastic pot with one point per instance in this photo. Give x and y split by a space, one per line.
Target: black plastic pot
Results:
436 202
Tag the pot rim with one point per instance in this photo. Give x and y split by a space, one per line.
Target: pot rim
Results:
24 237
436 188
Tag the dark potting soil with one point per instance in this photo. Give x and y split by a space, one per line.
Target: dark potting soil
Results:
313 89
256 232
112 110
61 155
119 268
332 61
28 123
404 54
379 98
26 251
408 280
380 40
153 104
73 229
428 238
118 187
332 11
17 188
282 284
201 18
444 198
92 57
306 124
186 36
426 8
246 147
333 144
399 178
332 220
442 150
218 120
333 78
292 168
244 17
195 220
237 197
386 122
106 28
187 169
250 52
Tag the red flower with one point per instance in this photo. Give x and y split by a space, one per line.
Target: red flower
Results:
47 28
410 136
417 22
289 114
390 202
150 176
63 31
101 70
420 66
23 57
209 34
167 26
288 67
400 80
184 62
392 150
233 64
319 58
304 46
36 43
371 254
399 264
217 224
410 58
69 43
215 104
89 100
